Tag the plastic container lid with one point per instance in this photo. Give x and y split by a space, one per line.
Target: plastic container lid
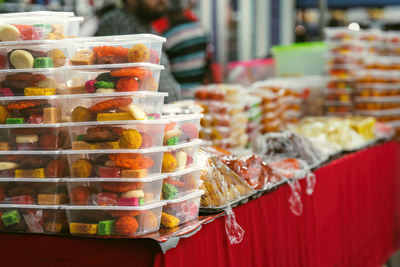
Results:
17 206
383 112
115 151
116 94
178 118
185 171
117 66
31 152
128 122
34 180
148 38
144 207
151 178
379 99
186 197
28 125
184 145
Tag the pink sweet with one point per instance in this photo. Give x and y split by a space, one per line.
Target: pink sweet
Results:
90 88
23 200
27 146
108 172
6 92
128 201
36 119
32 33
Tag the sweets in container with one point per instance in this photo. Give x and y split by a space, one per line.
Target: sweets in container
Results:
33 191
30 110
180 156
181 129
115 163
33 54
114 221
115 191
33 164
113 107
24 137
181 183
32 219
377 90
32 82
117 135
377 103
126 77
115 49
181 210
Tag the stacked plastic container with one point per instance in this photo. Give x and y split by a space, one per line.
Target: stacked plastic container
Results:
32 56
225 121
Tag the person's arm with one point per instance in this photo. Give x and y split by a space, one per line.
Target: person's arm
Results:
167 82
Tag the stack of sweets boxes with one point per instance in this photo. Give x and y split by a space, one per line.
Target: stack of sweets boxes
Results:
92 159
225 121
282 102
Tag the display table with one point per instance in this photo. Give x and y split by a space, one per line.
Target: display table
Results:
350 220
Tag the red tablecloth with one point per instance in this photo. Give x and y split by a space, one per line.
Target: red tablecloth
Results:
350 220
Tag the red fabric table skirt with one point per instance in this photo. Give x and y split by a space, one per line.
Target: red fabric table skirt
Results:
350 220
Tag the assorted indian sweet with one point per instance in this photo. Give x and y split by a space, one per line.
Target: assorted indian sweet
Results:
115 55
22 58
175 186
30 111
26 32
177 133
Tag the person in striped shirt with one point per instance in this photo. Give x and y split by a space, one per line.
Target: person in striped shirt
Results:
187 48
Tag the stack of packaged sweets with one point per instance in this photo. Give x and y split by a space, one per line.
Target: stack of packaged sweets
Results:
282 103
225 121
378 83
33 53
344 55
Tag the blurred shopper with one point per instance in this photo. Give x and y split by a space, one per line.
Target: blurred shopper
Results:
136 17
187 48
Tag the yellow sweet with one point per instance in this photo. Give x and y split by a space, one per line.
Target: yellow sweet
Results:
169 163
81 168
83 228
120 116
34 91
80 114
130 139
4 114
35 173
138 53
168 220
107 145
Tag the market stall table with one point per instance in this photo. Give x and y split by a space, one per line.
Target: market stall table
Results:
350 220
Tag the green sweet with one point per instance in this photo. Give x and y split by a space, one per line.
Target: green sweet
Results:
104 84
15 121
43 62
173 141
169 191
80 137
45 27
105 227
11 217
141 201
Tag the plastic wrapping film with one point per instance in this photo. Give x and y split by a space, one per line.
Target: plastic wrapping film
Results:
288 145
223 187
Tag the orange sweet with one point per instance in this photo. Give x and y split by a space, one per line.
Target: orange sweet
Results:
133 72
110 104
127 84
132 161
126 225
110 51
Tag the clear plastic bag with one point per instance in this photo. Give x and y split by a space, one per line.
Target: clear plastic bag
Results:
233 230
296 205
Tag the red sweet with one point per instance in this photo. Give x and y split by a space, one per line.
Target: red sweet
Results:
49 141
126 225
189 160
80 195
191 130
201 95
32 33
127 84
154 57
146 140
107 199
2 194
3 61
1 222
23 200
170 126
108 172
36 119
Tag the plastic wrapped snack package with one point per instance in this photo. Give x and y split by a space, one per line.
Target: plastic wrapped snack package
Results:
288 144
253 170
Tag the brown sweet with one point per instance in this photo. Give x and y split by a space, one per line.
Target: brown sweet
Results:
80 114
34 162
57 56
148 84
55 169
111 59
84 57
80 195
49 141
101 134
21 190
81 168
148 220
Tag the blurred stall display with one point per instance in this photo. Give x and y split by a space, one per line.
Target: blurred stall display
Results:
248 72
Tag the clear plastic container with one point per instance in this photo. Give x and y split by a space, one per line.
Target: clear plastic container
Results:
342 34
377 90
33 164
115 191
223 120
338 96
33 137
184 209
113 106
181 129
117 135
334 107
33 27
32 82
117 163
30 110
342 70
128 77
348 48
33 191
377 103
33 219
181 156
33 54
115 49
218 133
114 221
181 183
